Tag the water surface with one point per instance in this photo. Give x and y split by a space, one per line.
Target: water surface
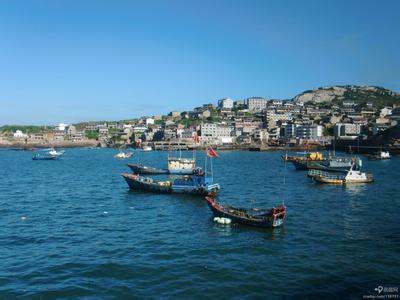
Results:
71 228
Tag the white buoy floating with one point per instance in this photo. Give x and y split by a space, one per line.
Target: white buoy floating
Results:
221 220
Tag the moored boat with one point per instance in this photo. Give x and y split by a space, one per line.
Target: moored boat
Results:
381 155
260 217
352 176
332 164
48 154
189 184
123 155
147 148
39 156
179 165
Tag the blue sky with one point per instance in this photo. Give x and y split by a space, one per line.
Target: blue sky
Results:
76 60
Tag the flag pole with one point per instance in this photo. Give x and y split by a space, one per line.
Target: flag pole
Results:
212 176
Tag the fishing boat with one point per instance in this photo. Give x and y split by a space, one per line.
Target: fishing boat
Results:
300 162
141 169
260 217
332 164
381 155
197 184
352 176
47 154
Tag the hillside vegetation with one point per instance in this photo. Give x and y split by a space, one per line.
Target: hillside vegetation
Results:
379 96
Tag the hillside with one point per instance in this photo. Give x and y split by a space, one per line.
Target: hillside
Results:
359 94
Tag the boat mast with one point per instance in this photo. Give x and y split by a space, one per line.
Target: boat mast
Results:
284 183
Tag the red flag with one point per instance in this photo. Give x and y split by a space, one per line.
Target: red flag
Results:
196 138
211 152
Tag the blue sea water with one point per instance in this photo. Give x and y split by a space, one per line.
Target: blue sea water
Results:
72 229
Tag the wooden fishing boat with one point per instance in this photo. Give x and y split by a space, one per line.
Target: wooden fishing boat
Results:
352 176
189 184
260 217
145 170
309 156
332 164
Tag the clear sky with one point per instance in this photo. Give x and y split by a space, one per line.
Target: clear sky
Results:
76 60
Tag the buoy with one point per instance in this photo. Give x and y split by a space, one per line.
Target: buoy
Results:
222 220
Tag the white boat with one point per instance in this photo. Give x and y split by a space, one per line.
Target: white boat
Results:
352 176
53 152
123 155
379 155
147 148
384 155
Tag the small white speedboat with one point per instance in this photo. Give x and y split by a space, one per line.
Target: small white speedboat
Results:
123 155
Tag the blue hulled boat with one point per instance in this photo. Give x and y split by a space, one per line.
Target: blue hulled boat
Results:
39 156
190 184
48 154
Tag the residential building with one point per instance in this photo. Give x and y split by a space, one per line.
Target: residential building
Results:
309 132
225 103
256 103
346 130
212 133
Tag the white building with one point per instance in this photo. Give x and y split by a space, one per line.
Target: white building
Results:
19 135
386 111
346 130
309 132
273 117
149 121
225 103
61 126
304 132
256 103
212 133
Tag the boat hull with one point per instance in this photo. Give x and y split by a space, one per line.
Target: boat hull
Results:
38 157
136 182
269 221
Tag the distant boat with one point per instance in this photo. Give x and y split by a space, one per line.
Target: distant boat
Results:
190 184
123 155
147 148
332 164
53 152
352 176
379 155
260 217
48 154
308 156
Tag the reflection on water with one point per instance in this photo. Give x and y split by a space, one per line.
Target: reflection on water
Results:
356 189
